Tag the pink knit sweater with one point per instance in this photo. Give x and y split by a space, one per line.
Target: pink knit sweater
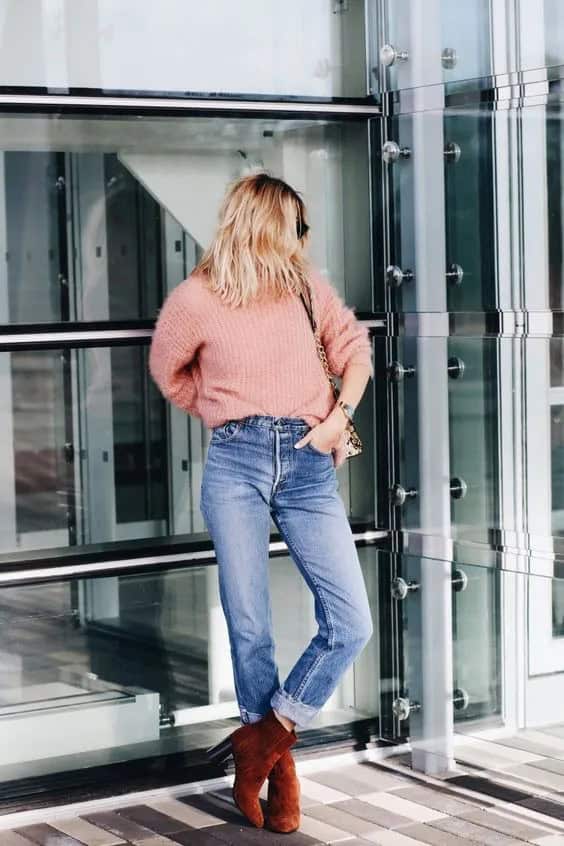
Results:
219 363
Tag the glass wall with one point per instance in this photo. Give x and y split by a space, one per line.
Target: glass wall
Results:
99 670
438 42
184 47
472 274
505 716
436 210
115 647
101 218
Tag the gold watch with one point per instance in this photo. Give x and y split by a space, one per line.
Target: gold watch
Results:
347 409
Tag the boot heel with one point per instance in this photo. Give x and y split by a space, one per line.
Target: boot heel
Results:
220 751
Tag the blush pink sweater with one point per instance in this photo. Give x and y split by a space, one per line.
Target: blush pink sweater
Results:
220 363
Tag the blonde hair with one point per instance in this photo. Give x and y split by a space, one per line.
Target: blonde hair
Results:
257 252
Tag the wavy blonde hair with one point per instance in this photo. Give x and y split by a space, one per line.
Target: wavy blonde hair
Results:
257 252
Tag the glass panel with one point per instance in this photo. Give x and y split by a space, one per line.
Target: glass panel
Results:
470 269
401 273
437 42
466 35
556 353
104 216
95 455
469 211
217 47
473 433
553 20
407 474
558 609
557 467
473 422
105 669
503 711
555 221
441 41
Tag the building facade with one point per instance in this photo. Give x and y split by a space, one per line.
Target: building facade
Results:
426 140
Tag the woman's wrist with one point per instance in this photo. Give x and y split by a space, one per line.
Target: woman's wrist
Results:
337 415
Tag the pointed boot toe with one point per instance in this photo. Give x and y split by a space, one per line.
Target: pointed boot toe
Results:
256 748
284 812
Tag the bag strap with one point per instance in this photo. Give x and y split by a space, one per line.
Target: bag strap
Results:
308 305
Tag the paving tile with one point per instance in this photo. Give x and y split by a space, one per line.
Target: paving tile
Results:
489 788
504 824
491 754
511 827
439 799
422 833
375 776
86 833
373 813
551 840
153 820
120 826
557 731
552 765
10 838
319 792
348 785
541 735
355 841
234 834
471 831
536 742
393 838
45 835
340 819
199 837
322 832
412 810
219 809
544 806
526 745
190 816
536 775
549 824
365 777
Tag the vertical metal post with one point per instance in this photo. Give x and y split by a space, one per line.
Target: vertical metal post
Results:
7 457
432 727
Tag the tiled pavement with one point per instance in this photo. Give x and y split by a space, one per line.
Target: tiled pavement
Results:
354 804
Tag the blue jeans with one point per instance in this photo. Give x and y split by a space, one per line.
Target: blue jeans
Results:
253 473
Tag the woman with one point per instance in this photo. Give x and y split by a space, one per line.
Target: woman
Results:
233 345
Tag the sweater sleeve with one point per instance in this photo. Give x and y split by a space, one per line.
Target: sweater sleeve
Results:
176 339
345 339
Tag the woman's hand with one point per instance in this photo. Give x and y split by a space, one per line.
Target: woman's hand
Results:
327 435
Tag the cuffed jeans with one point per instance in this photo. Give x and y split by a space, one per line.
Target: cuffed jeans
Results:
253 473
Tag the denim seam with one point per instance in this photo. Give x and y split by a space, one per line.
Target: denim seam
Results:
329 620
225 437
283 694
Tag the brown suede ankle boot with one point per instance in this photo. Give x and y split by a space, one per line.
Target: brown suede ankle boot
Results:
284 813
256 748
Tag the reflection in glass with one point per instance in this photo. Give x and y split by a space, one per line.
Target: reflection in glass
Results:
42 460
469 211
136 666
94 454
558 608
104 216
557 465
314 50
507 654
474 420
